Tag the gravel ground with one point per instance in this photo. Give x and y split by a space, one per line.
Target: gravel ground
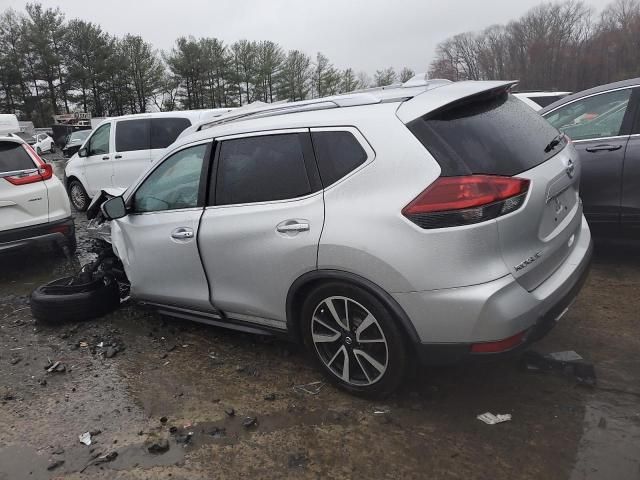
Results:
137 381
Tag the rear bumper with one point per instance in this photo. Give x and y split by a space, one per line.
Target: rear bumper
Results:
450 321
60 232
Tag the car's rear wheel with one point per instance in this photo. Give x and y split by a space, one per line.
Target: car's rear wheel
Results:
38 151
78 196
354 339
68 299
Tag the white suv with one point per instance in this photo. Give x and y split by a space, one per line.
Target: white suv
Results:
121 148
34 207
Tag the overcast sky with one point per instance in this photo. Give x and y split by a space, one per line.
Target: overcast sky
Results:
366 35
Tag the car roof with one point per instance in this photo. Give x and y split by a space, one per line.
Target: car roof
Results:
11 138
632 82
194 115
540 94
407 100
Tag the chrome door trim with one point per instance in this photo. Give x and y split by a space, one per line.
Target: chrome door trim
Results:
628 87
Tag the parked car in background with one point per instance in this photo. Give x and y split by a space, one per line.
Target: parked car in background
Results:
604 124
363 227
74 142
41 142
539 99
121 148
34 208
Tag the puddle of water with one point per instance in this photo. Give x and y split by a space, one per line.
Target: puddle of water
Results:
610 445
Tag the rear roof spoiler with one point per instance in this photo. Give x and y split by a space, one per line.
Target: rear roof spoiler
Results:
453 93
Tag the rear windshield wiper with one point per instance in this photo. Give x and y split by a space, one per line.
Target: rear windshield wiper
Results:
554 143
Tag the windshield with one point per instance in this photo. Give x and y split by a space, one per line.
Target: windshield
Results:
80 135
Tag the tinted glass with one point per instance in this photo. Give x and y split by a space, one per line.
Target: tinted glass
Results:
79 135
259 169
164 131
14 157
99 141
338 153
593 117
174 184
497 135
132 135
546 100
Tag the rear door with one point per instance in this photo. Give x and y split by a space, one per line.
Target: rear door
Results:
132 155
164 131
599 127
98 166
630 202
22 203
261 228
494 133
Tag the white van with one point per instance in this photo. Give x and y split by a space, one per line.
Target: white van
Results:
121 148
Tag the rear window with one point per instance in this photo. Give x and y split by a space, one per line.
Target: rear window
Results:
132 135
338 153
14 157
496 135
164 131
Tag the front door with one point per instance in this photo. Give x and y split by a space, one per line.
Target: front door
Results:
261 228
132 151
157 240
598 126
98 167
630 203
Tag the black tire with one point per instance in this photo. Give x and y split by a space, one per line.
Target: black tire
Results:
57 302
53 148
78 196
39 151
397 353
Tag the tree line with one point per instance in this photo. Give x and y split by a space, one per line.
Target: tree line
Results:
555 46
50 65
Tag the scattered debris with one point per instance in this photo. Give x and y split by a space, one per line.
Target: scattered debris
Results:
583 372
230 412
15 360
491 419
249 422
163 420
157 446
312 388
173 429
218 432
270 397
83 344
100 345
106 458
95 433
111 352
568 356
184 439
381 410
55 464
42 382
85 438
56 367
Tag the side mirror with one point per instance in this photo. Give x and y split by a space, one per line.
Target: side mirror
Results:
114 208
83 152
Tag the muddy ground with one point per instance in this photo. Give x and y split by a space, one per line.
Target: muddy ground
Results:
175 380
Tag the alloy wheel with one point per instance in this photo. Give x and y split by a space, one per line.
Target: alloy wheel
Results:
77 196
349 341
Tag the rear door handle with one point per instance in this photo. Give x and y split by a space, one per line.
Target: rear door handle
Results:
601 148
293 226
182 233
117 157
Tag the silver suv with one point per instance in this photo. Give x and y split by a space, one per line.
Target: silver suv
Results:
431 223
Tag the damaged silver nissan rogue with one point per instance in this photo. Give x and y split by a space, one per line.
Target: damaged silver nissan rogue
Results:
430 223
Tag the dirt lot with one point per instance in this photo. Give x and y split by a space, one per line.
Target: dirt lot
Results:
174 380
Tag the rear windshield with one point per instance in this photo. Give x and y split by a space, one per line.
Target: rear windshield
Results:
14 157
495 135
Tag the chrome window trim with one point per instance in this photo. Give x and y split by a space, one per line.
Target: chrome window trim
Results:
628 87
615 137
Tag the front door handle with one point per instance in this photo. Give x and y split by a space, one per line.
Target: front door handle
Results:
602 148
293 226
182 233
118 156
106 157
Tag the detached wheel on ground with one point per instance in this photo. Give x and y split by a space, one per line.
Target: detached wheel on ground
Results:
354 339
65 300
78 196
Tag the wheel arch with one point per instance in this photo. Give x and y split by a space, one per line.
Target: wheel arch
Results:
308 281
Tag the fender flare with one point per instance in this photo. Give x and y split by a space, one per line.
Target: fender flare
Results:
315 276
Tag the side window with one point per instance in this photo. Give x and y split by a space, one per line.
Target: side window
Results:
260 169
338 153
164 131
132 135
174 184
593 117
99 141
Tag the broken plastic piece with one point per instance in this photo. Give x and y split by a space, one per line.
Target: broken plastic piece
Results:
491 419
569 356
312 388
85 438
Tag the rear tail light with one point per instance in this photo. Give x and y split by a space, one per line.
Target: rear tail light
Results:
456 201
43 170
499 345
